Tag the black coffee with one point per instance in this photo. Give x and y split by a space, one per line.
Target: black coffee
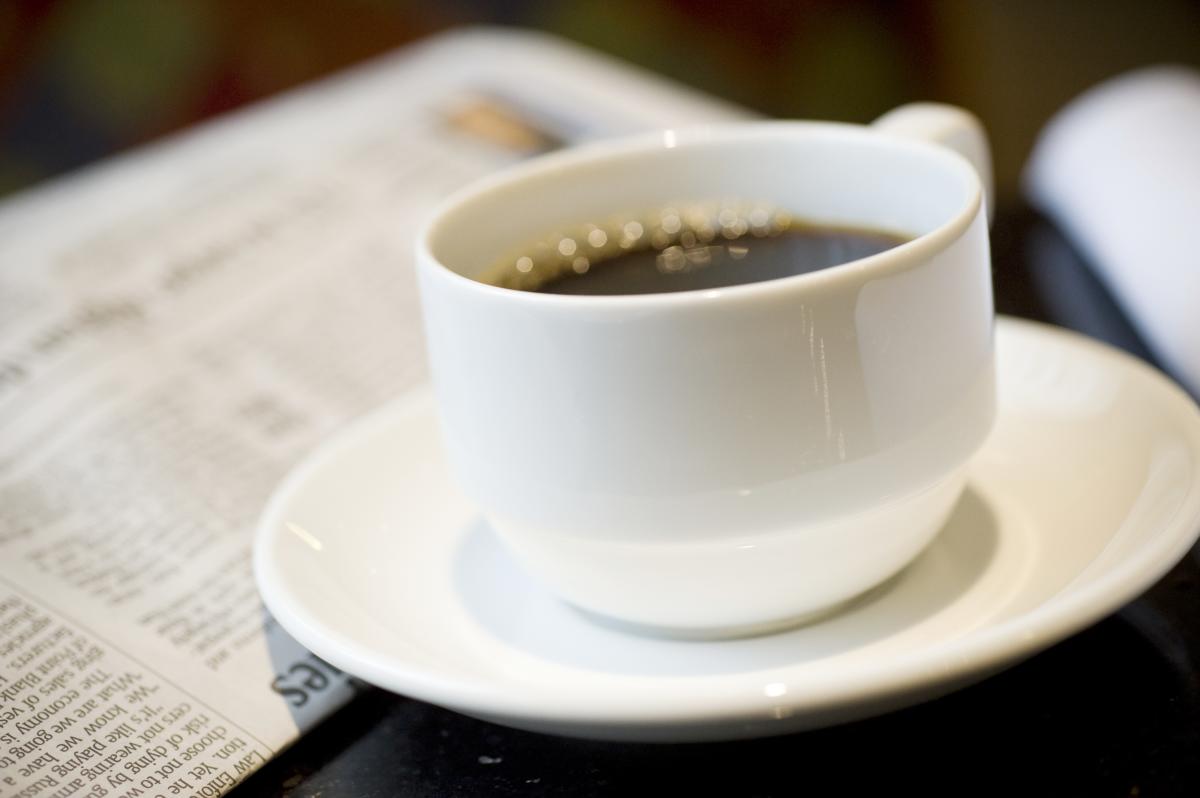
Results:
697 248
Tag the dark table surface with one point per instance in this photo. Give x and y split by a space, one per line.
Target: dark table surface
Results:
1114 710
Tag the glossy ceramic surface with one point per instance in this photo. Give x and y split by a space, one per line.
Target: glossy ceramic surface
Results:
647 455
1085 494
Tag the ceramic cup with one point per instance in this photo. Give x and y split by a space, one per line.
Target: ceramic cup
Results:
725 461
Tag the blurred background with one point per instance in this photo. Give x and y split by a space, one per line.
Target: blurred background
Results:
80 79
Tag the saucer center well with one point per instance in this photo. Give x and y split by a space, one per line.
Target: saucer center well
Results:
518 612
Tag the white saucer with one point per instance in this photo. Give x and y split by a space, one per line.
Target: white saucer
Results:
1087 492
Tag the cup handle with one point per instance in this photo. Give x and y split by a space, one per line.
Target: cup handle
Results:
951 127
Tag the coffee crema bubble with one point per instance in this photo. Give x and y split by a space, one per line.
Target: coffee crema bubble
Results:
683 247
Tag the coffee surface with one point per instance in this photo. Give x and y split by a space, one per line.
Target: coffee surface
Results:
669 250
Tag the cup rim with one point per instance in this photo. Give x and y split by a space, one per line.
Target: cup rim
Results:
894 259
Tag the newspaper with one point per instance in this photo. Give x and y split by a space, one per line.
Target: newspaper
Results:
178 327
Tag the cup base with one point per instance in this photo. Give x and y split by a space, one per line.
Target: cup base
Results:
762 629
743 585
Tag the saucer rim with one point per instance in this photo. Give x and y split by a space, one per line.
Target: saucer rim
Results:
606 701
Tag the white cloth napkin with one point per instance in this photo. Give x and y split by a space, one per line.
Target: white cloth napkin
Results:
1119 170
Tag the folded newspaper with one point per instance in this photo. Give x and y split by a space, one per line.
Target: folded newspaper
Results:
178 326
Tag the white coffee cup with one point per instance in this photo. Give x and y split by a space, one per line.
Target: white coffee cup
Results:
725 461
